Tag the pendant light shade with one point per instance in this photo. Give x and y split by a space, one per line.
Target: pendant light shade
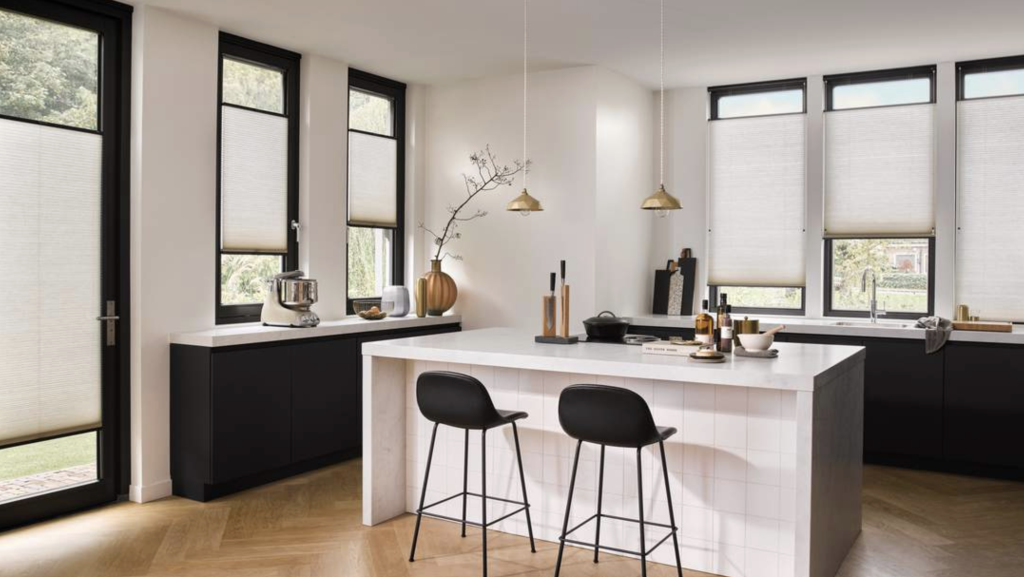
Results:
661 201
524 204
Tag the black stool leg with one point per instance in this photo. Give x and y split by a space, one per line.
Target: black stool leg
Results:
465 482
522 479
483 493
600 494
423 495
671 512
640 500
568 506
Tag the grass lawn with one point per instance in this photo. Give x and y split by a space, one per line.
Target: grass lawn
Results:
45 456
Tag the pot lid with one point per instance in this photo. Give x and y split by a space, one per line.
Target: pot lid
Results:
602 320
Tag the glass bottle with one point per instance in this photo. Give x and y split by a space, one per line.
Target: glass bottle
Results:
704 325
725 342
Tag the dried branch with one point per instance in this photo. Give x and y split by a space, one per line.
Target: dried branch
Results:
490 176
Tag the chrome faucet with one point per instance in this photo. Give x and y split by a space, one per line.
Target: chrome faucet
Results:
873 310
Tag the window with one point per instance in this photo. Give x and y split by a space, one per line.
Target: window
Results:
258 173
879 204
990 188
757 157
376 173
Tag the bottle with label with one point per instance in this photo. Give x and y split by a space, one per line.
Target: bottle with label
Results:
725 344
720 316
704 326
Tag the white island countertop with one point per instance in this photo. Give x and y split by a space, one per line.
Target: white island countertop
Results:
799 367
250 333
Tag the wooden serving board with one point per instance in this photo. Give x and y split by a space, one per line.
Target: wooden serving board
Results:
988 326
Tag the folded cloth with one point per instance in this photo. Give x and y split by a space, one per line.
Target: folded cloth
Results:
936 332
769 354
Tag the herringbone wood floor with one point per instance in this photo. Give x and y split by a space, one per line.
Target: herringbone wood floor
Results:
916 524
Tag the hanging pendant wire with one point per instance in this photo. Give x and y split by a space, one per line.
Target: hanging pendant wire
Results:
661 122
661 201
524 204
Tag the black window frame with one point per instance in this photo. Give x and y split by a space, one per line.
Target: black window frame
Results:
829 311
831 82
113 21
872 76
716 93
288 62
986 65
395 91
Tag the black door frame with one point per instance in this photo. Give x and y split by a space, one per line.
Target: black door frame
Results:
113 21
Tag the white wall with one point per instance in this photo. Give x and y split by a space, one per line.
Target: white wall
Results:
590 143
624 234
173 207
323 182
685 178
508 256
174 175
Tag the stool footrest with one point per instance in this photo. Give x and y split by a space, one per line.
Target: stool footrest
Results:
616 549
423 510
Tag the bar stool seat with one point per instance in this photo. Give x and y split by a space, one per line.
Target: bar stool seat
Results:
461 401
615 417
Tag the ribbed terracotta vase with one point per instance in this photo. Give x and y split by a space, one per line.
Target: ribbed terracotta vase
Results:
441 290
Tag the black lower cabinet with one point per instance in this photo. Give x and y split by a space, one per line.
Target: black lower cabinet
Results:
326 400
247 415
985 404
251 404
902 398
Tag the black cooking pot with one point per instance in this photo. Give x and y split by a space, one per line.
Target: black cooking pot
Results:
606 327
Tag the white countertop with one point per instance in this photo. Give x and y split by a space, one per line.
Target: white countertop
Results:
250 333
883 328
798 366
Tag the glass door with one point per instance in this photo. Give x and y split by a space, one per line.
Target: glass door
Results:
63 233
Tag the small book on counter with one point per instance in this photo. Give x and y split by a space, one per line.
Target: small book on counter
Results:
668 348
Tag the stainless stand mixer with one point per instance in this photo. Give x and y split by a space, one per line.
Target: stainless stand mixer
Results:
289 297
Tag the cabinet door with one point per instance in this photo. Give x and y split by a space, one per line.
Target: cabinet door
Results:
902 399
250 394
326 400
984 404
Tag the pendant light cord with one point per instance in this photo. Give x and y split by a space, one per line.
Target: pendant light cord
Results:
661 159
525 161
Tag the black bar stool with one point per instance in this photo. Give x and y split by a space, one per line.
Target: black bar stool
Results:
460 401
616 417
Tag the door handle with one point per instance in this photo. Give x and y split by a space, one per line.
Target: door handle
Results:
110 330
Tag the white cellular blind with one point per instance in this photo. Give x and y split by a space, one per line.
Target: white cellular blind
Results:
50 374
757 205
254 181
372 180
880 171
990 238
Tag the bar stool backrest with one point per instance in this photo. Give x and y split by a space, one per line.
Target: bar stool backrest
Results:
456 400
606 415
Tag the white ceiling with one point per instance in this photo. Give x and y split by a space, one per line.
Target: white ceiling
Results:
708 42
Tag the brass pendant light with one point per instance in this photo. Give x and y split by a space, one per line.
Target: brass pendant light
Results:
524 204
661 201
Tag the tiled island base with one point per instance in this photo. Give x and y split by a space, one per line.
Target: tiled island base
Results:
765 482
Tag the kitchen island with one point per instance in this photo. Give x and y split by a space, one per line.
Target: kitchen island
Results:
765 471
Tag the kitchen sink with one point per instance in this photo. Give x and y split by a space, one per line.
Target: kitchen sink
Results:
866 324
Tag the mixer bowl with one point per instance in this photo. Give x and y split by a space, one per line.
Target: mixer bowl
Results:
298 292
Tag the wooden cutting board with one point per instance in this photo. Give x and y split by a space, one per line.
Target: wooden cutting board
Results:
988 326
